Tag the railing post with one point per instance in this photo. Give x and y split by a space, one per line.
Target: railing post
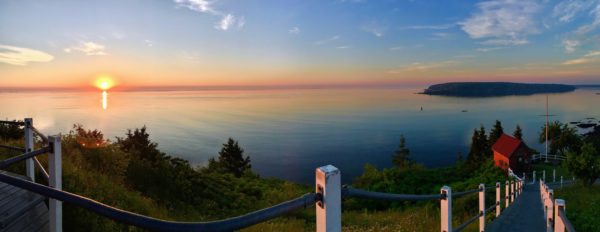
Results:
507 194
559 225
512 191
29 165
446 209
55 171
497 199
561 182
554 175
481 207
550 207
544 175
533 179
329 209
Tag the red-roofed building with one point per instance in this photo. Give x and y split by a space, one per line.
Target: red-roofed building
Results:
512 153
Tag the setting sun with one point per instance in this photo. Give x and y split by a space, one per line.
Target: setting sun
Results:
104 83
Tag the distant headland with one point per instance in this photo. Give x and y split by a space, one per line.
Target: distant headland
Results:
494 89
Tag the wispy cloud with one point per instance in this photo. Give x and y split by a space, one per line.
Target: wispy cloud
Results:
590 57
503 22
22 56
374 28
595 13
428 27
225 22
342 47
88 48
489 49
418 66
567 10
294 30
440 36
570 45
204 6
148 42
328 40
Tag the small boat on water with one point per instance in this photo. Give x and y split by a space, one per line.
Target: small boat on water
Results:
464 111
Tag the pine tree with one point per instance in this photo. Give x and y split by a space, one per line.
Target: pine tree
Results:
401 156
475 149
518 133
484 144
231 159
496 132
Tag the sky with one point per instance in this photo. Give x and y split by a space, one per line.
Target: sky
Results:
64 43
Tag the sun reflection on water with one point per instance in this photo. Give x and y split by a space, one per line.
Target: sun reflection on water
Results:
104 100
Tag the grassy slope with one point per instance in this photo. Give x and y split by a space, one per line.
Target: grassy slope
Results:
582 206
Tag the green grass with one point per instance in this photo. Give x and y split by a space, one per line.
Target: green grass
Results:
582 206
549 167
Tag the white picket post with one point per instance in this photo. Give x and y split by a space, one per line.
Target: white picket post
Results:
507 194
329 209
559 224
29 165
497 199
544 175
561 182
512 191
446 209
481 207
554 175
533 178
55 171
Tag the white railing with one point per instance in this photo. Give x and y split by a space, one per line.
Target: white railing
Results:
548 157
554 210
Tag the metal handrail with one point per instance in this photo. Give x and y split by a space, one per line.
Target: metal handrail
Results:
364 194
7 162
460 194
42 169
568 225
158 224
13 148
468 222
19 123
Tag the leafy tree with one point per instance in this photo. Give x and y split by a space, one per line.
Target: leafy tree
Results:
518 133
561 137
231 159
584 165
401 157
11 131
495 133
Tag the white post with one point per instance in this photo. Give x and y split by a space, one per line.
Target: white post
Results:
29 165
561 182
481 207
55 171
497 199
507 194
554 175
512 191
329 209
550 207
544 177
446 209
559 225
533 179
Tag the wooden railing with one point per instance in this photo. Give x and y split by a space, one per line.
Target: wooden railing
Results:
327 197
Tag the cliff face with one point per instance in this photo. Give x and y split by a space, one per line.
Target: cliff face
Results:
491 89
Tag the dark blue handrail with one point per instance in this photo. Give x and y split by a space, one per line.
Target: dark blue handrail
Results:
154 224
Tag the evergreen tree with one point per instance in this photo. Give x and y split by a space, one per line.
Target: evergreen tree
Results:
484 144
401 156
518 133
496 132
231 159
475 149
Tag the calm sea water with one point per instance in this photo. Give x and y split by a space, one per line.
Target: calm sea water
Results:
288 133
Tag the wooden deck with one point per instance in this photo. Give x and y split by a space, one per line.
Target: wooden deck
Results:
21 210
